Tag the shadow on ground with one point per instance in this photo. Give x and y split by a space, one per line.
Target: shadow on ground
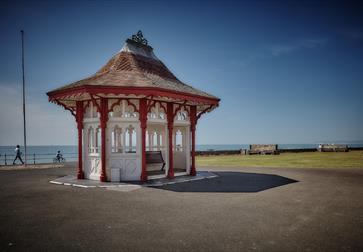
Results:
232 182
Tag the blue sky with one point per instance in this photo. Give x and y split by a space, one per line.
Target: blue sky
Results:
286 71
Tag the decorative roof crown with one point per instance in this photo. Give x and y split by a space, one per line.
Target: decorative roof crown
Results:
139 40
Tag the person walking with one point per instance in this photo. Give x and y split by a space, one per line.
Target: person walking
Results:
18 155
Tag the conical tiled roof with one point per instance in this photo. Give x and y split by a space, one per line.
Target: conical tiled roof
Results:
136 66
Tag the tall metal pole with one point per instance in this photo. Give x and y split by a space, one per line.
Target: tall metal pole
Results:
24 120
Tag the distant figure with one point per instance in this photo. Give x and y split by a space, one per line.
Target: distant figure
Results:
17 155
59 156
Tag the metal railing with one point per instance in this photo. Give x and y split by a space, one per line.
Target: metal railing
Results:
36 158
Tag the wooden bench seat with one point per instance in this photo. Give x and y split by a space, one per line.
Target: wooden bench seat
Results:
333 148
263 149
155 157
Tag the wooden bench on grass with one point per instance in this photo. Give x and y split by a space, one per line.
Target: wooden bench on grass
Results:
155 157
333 148
263 149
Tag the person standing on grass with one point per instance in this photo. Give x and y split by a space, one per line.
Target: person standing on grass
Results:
17 155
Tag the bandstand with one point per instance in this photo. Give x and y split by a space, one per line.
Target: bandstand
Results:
131 107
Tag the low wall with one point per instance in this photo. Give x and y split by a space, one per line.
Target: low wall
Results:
297 150
243 152
237 152
217 152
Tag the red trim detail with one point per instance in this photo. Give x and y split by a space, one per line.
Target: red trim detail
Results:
146 91
193 122
103 124
69 108
183 105
170 118
143 125
150 105
94 101
161 105
129 103
187 109
86 104
153 103
79 120
203 112
118 102
178 108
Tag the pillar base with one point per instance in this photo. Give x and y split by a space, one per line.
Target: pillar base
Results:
80 175
193 173
170 175
143 177
103 178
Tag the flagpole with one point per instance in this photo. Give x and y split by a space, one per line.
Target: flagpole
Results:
24 120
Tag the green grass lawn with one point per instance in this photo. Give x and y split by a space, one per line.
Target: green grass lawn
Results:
352 159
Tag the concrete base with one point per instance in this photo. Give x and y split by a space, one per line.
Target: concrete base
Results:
85 183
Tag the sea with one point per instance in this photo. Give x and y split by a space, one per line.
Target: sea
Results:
46 153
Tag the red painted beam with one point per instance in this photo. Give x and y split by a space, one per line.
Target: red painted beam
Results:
147 91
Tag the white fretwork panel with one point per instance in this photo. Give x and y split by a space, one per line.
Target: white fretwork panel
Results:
130 171
129 168
92 168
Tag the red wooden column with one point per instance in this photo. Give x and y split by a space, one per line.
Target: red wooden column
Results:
193 123
143 125
103 124
79 120
170 118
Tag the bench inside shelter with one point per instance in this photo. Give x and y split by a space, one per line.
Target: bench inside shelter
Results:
263 149
153 158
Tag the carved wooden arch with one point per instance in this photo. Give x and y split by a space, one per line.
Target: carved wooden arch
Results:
152 104
129 103
86 104
94 102
180 106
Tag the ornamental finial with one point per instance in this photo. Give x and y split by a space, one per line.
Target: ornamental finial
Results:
139 38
